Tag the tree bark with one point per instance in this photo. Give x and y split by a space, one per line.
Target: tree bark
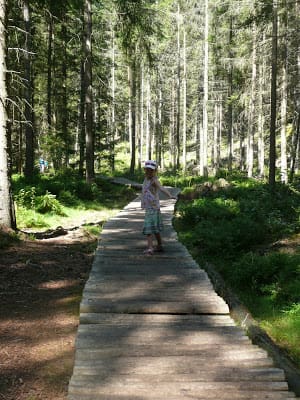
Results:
132 99
229 109
205 95
178 87
284 100
141 104
89 123
272 154
295 149
7 214
148 113
49 72
29 130
250 149
81 124
261 123
184 111
113 125
64 110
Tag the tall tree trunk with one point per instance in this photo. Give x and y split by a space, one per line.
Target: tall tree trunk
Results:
132 99
261 122
89 126
7 215
129 109
295 149
141 104
184 104
173 126
81 124
205 94
178 87
272 154
29 130
229 107
215 138
49 71
220 134
284 98
64 111
148 114
113 125
251 126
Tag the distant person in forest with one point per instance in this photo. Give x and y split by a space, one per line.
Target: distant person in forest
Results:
153 224
42 165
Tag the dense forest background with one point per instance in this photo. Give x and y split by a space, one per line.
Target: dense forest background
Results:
199 86
209 88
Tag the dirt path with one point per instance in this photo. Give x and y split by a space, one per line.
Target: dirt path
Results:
40 290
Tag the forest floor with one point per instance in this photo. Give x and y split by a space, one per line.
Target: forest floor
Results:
40 292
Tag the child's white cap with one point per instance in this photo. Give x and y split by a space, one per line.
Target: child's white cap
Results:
150 164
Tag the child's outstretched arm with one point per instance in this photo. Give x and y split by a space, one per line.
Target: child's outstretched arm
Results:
163 189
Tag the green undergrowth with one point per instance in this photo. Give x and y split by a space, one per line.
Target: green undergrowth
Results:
250 233
47 201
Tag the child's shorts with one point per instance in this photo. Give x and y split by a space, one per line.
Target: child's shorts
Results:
153 222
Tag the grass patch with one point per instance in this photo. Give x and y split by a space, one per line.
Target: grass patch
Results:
47 201
249 233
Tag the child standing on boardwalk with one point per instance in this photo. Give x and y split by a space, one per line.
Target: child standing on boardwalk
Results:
150 203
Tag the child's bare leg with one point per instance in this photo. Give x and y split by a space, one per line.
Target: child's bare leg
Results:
159 241
150 241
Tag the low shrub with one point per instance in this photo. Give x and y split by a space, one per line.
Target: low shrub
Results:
67 198
49 204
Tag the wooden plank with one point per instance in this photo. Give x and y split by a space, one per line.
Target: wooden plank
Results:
211 395
151 321
216 306
109 353
95 342
135 264
145 286
187 331
240 352
150 295
182 274
179 369
133 386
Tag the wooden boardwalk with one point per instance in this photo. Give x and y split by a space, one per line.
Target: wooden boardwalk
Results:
153 328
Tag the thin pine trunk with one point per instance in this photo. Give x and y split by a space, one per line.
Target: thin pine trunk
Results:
64 111
29 131
272 154
261 123
81 122
142 90
184 83
178 87
250 149
283 110
7 214
132 97
230 109
148 113
89 123
113 125
49 72
205 95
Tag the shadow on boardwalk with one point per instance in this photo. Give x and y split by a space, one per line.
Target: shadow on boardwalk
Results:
153 328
